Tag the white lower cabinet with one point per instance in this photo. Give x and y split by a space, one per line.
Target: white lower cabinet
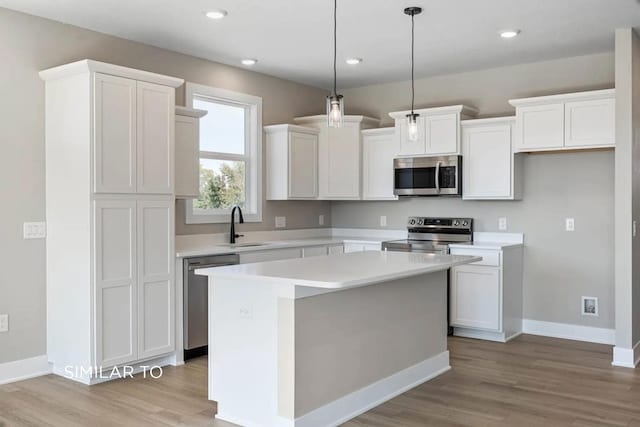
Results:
270 255
134 303
485 298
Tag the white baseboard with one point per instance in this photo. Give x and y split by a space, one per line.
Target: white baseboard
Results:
23 369
350 406
484 335
626 357
569 332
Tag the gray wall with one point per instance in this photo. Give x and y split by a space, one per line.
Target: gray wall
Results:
559 267
30 44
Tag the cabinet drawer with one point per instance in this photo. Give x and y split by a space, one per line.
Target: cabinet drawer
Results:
489 257
270 255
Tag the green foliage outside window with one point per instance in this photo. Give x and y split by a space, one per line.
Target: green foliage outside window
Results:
223 188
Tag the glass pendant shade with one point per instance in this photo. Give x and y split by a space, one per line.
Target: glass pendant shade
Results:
335 111
412 126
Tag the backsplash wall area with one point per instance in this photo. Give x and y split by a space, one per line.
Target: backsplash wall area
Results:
559 266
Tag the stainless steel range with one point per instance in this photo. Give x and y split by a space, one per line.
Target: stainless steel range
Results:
432 235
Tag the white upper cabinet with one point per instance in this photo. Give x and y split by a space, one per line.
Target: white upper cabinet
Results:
490 169
115 134
379 147
292 162
438 130
570 121
339 156
187 152
155 138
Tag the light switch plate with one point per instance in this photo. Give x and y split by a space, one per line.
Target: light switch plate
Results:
321 220
383 220
281 221
502 223
4 323
34 230
570 224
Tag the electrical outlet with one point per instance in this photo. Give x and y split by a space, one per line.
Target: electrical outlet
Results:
34 230
281 221
383 220
245 313
321 220
502 223
570 224
4 323
589 306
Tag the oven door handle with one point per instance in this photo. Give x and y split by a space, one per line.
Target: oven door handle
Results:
438 177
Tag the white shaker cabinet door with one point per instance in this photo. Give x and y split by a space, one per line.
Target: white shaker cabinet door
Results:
590 123
540 127
339 160
303 166
476 297
155 138
187 158
114 149
441 132
487 162
156 333
378 152
115 285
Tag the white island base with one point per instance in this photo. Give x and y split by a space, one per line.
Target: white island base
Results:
318 341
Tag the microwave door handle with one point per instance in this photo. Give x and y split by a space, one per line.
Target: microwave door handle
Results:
438 177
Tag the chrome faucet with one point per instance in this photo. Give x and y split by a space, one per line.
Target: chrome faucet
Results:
232 231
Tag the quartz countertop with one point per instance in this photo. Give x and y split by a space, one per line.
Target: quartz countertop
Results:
225 248
497 246
341 271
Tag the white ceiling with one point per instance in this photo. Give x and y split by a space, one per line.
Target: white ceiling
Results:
293 38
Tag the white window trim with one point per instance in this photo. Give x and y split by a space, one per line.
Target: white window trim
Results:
253 184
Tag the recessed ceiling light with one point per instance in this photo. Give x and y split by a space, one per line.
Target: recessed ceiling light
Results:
353 61
509 34
249 61
216 14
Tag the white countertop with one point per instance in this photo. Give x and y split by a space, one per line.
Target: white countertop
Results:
223 248
341 271
496 246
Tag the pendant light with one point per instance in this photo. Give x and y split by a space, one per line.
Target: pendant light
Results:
412 118
335 102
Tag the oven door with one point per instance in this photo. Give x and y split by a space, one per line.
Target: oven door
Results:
428 176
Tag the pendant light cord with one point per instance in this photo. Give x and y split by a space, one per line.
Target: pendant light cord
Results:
413 90
335 46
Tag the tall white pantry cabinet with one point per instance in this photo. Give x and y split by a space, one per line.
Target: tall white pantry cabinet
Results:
110 217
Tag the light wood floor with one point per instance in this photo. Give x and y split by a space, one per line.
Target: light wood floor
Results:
531 381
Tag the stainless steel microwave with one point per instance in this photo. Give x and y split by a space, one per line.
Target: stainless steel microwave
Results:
428 176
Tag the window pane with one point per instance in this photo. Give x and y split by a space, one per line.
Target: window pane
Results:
222 185
222 129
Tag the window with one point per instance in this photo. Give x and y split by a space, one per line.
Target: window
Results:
230 155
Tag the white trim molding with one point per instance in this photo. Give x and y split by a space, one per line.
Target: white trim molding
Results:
569 332
24 369
626 357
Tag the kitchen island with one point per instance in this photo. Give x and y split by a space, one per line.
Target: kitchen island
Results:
317 341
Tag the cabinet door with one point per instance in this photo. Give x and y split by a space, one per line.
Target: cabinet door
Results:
314 251
540 127
270 255
378 152
407 147
353 247
155 138
590 123
442 134
335 250
115 282
156 293
303 166
340 162
476 297
187 157
488 162
114 151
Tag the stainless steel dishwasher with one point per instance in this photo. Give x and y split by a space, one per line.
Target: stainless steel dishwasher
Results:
196 314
